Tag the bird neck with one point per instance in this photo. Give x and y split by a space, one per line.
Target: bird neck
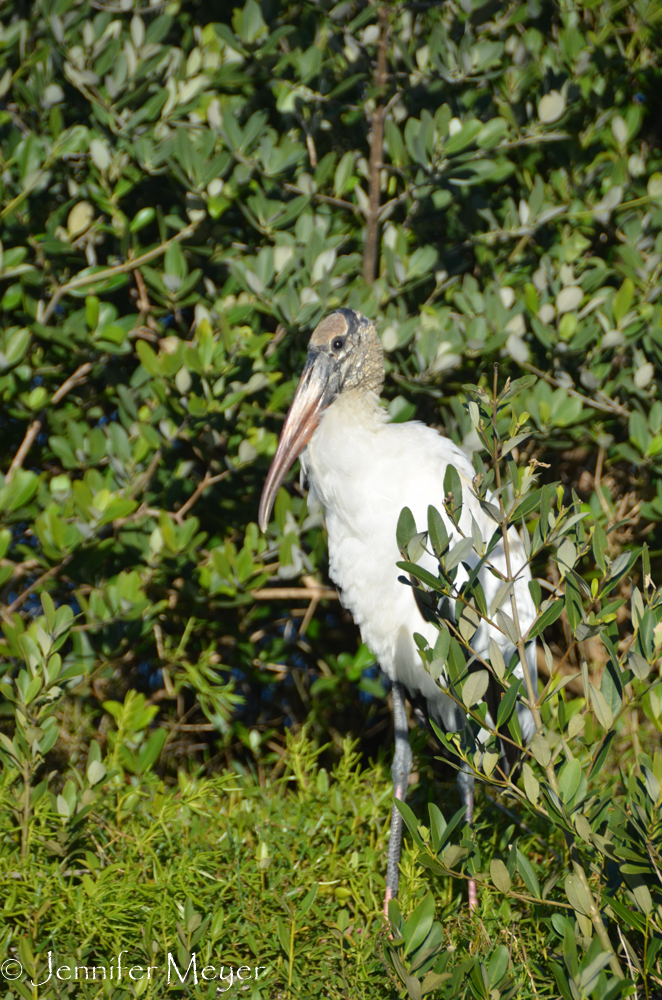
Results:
341 448
355 409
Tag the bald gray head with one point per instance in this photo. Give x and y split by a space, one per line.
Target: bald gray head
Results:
344 354
350 341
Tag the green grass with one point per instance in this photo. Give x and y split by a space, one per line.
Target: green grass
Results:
224 868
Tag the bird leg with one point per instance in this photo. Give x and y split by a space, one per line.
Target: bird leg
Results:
400 774
465 784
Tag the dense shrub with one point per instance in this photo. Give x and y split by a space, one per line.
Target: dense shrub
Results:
185 190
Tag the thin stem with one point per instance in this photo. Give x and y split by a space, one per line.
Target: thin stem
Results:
36 425
53 571
23 449
608 406
109 272
197 493
25 825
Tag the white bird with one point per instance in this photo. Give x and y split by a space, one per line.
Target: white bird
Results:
364 471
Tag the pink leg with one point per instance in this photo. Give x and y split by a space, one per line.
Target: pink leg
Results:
473 894
465 784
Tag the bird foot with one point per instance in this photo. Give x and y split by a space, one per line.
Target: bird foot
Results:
388 896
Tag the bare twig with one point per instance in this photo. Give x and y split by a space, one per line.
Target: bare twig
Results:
143 333
311 591
308 617
77 377
370 251
110 272
312 151
200 727
519 944
294 594
275 340
24 448
145 307
606 405
197 493
327 199
20 569
143 481
36 425
53 571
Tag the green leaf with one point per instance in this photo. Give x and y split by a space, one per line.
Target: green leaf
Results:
151 750
406 528
513 389
437 825
623 299
492 133
548 617
507 703
475 687
499 875
578 896
459 552
418 925
540 749
602 710
498 966
453 493
437 532
283 933
600 546
528 504
410 820
601 753
569 779
307 901
525 869
148 358
531 784
469 131
420 574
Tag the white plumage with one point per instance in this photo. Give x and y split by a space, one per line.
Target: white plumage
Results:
364 471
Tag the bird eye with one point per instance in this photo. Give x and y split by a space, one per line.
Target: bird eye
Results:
338 344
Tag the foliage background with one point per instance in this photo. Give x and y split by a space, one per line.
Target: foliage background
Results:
185 191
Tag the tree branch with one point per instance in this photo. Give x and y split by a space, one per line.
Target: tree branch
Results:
371 248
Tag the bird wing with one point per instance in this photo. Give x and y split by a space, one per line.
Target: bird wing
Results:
364 471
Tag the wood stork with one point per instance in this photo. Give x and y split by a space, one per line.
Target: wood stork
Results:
364 470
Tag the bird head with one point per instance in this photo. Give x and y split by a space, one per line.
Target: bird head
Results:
344 354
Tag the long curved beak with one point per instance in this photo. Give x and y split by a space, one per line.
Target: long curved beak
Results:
317 388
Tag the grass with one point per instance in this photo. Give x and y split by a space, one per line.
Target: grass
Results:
287 878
